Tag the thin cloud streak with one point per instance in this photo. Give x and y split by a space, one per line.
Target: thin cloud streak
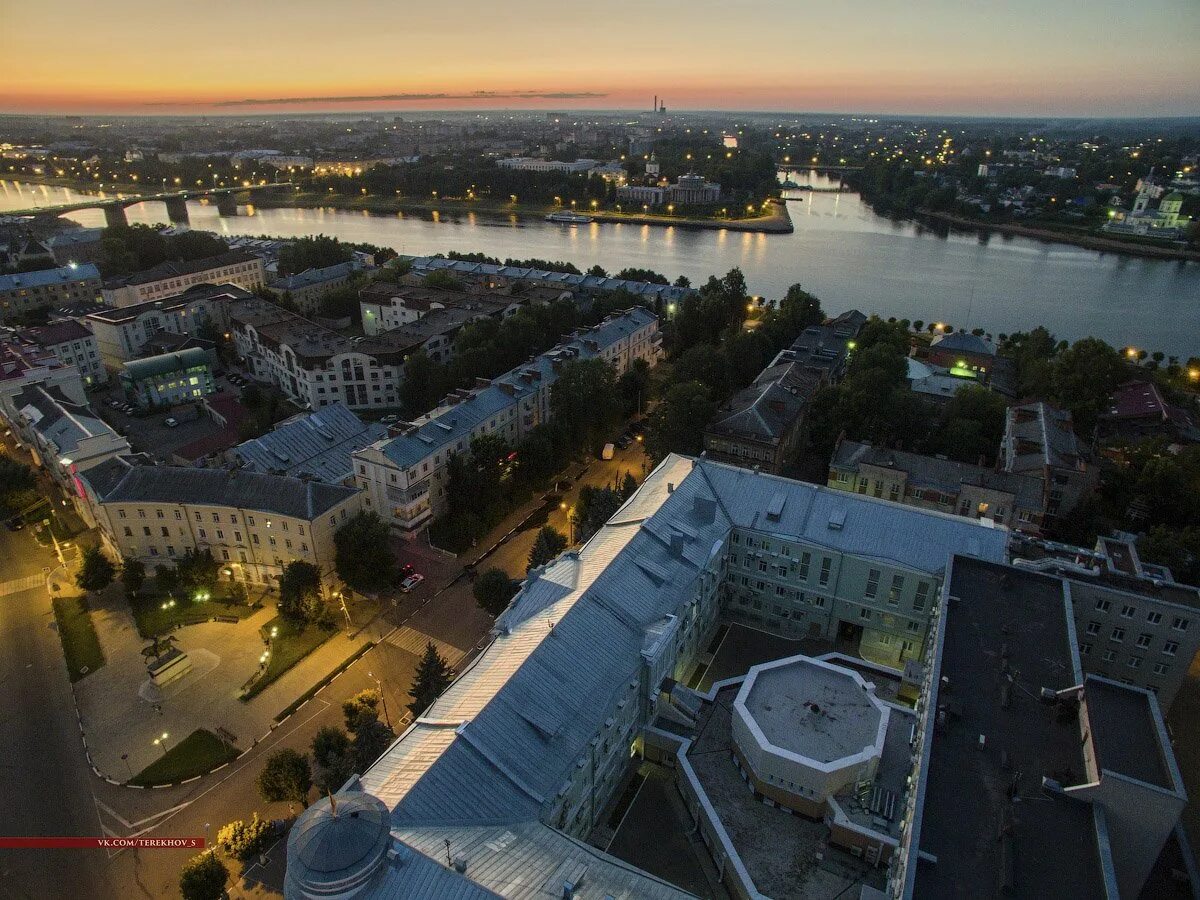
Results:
377 98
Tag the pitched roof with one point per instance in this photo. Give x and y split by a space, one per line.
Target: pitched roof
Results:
320 444
310 277
59 420
45 277
962 342
116 481
182 267
769 407
55 333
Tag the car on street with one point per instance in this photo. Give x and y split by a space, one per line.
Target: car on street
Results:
406 570
170 421
411 582
14 524
623 442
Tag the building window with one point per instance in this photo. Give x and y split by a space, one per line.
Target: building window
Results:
1143 640
1180 624
1153 617
826 568
1085 648
896 589
922 595
1170 648
1135 662
872 584
864 613
203 535
1127 612
1160 668
805 559
128 531
1110 655
1118 634
1103 605
1093 627
914 626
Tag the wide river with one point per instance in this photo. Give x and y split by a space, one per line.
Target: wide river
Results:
840 250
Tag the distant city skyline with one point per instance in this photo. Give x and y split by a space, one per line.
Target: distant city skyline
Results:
934 57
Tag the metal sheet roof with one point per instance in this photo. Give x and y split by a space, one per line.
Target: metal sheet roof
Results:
320 444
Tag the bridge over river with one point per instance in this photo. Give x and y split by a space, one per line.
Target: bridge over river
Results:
176 202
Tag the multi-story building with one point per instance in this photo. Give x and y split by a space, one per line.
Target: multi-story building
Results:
693 190
23 364
169 279
254 524
386 306
405 476
644 194
1015 501
828 346
54 288
72 345
1073 785
305 289
318 445
64 437
965 355
1040 440
122 334
316 366
529 164
515 777
169 378
762 425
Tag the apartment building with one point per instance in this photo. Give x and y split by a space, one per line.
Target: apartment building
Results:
305 289
23 364
1013 500
386 306
122 334
71 344
763 424
254 524
26 291
1040 440
317 366
169 279
64 437
405 475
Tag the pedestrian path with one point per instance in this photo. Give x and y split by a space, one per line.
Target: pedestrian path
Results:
414 642
21 584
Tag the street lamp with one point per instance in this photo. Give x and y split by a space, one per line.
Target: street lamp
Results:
382 699
161 742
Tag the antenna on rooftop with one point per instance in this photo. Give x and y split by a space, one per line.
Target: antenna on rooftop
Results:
332 802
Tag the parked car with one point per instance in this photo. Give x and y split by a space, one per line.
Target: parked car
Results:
607 452
624 441
411 582
170 421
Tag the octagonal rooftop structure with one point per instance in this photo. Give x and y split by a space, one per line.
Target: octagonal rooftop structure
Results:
808 728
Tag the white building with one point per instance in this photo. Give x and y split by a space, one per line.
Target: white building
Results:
530 164
172 278
405 476
72 345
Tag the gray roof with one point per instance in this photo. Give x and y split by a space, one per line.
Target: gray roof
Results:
1125 734
766 410
116 481
166 363
496 747
197 292
447 425
1038 435
320 444
311 277
182 267
961 342
946 475
47 277
59 420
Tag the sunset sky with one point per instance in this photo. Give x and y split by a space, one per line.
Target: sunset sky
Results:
1005 57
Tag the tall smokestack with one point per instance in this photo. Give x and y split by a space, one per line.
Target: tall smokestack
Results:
656 102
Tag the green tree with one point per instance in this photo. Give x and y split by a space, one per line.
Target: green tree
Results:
433 676
300 592
628 486
333 752
167 579
133 575
363 553
583 402
547 545
425 382
245 840
197 570
678 422
493 590
594 507
314 252
361 708
1083 377
97 572
17 485
800 309
633 388
285 778
203 878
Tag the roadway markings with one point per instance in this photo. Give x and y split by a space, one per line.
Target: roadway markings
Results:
414 642
17 585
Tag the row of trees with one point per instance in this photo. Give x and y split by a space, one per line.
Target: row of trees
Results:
125 249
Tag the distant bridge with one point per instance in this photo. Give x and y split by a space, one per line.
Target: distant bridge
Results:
175 201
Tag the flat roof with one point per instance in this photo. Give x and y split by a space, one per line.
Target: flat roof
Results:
1006 624
1125 733
812 709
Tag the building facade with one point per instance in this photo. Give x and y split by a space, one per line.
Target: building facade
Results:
1040 440
72 345
54 288
254 524
245 270
405 476
121 334
305 289
169 379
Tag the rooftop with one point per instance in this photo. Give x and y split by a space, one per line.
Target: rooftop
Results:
961 342
55 333
1007 636
1126 734
166 363
771 405
813 709
184 267
49 277
311 277
320 444
117 481
59 420
1038 435
196 292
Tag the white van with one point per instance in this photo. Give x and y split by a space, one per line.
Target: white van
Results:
607 452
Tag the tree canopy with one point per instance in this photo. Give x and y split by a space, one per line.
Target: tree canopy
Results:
363 555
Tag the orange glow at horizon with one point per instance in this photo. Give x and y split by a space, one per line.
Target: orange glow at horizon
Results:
755 54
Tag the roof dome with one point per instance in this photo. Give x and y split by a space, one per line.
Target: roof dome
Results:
332 852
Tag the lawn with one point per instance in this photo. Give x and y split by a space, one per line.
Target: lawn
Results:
157 613
289 645
80 644
198 753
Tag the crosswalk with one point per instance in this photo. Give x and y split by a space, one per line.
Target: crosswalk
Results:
414 642
21 584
